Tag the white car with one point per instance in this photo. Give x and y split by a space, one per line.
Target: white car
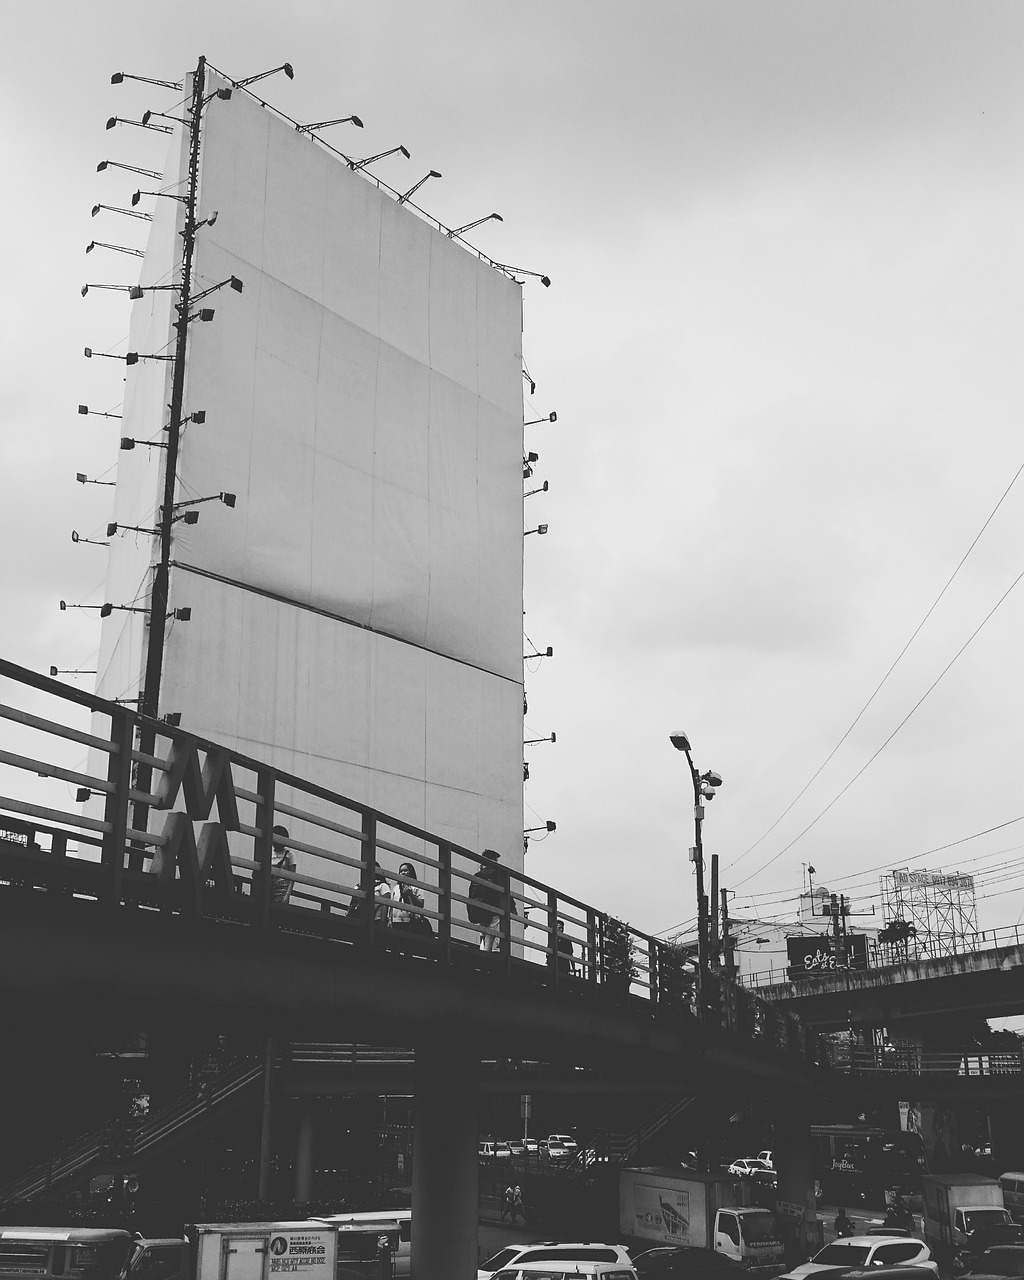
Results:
744 1168
565 1140
766 1156
570 1269
532 1146
545 1252
867 1251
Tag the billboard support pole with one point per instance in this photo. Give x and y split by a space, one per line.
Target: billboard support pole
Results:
150 702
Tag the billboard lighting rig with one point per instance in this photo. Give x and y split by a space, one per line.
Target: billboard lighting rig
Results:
541 529
552 417
326 124
228 499
521 271
166 195
148 115
496 217
96 413
527 377
533 741
187 517
355 165
286 67
127 443
70 671
121 288
82 478
223 94
128 213
139 124
131 168
118 248
528 462
120 76
76 537
107 609
547 653
530 492
433 173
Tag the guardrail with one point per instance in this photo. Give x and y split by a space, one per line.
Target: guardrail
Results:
145 837
885 955
909 1060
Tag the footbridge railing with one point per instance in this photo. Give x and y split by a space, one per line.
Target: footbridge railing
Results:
186 827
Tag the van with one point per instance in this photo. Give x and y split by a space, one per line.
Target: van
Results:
389 1220
63 1253
1013 1194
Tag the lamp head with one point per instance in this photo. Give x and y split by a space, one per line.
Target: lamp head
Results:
53 671
287 69
117 77
405 153
106 610
679 740
712 778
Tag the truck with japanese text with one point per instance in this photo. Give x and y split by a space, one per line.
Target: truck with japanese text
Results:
679 1206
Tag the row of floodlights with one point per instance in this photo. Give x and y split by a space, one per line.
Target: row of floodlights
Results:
225 94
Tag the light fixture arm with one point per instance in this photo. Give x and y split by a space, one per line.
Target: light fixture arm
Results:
488 217
326 124
433 173
361 164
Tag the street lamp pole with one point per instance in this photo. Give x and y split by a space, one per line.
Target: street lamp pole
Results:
703 789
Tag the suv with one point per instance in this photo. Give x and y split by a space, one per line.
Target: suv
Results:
867 1252
570 1269
547 1252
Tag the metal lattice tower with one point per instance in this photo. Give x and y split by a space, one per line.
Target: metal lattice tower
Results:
939 911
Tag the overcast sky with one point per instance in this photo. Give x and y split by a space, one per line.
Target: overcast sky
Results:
783 343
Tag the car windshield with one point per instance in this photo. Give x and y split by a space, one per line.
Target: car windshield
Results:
1001 1262
758 1228
501 1259
975 1218
842 1255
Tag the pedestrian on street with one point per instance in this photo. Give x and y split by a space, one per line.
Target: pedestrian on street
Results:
518 1209
843 1225
508 1205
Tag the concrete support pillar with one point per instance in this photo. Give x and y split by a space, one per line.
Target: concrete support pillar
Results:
793 1157
445 1173
263 1190
304 1152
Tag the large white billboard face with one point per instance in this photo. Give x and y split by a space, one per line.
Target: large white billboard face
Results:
357 616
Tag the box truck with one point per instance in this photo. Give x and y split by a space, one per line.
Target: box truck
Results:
964 1214
707 1210
218 1251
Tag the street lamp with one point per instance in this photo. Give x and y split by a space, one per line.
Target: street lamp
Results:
704 786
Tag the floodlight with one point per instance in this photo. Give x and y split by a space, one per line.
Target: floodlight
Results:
496 217
326 124
679 740
416 186
286 67
131 168
361 164
120 76
182 615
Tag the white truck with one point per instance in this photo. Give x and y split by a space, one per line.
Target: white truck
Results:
707 1210
964 1215
219 1251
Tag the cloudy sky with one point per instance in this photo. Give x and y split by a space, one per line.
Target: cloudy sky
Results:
783 343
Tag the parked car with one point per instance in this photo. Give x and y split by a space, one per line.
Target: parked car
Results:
532 1146
517 1146
502 1151
555 1151
1000 1260
766 1156
856 1252
485 1151
745 1167
685 1262
566 1140
548 1251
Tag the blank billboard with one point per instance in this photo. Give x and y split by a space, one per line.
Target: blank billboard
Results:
356 617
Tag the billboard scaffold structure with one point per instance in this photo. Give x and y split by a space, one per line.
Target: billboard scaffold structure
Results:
354 614
928 914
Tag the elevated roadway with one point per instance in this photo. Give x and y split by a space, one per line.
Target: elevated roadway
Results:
988 984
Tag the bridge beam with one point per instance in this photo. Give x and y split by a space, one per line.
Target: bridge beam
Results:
445 1170
793 1157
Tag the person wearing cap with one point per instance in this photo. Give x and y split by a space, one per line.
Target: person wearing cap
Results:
490 893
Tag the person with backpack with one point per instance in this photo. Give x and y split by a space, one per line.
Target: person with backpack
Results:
490 893
407 896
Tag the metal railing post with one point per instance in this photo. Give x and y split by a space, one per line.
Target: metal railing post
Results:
368 876
115 810
263 847
444 900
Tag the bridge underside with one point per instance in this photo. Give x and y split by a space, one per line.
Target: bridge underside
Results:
987 984
83 960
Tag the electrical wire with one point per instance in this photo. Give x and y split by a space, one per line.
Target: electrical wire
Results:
892 735
883 680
